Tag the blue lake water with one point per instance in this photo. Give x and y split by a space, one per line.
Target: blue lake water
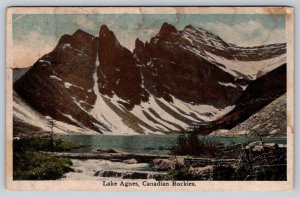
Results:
151 144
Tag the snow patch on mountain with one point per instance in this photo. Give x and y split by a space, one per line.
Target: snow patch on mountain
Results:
64 128
66 46
25 113
55 78
152 114
146 107
192 35
148 131
201 110
227 84
44 62
70 117
249 68
68 85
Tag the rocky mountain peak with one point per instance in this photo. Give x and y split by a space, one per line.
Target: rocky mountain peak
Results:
139 50
188 27
139 44
81 37
202 35
193 28
80 34
104 29
79 40
167 29
106 36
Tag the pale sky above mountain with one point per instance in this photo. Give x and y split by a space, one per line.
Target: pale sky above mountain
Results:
37 34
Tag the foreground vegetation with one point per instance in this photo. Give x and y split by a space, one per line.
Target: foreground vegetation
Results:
29 163
253 161
189 144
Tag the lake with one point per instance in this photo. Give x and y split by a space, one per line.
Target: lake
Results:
151 144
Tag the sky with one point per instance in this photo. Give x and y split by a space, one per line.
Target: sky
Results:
37 34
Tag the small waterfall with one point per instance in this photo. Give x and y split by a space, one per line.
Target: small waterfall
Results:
103 169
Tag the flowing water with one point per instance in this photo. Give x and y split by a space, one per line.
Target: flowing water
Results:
95 169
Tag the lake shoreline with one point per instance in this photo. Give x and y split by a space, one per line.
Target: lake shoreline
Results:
153 144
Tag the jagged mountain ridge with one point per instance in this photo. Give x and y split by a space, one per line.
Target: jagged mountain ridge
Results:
96 84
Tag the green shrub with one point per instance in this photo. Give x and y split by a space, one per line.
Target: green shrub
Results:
65 145
180 174
43 144
189 144
30 164
224 172
39 166
32 144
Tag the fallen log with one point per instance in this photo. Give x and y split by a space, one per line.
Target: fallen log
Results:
201 162
119 156
141 158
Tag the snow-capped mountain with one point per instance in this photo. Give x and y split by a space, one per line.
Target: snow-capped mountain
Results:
177 79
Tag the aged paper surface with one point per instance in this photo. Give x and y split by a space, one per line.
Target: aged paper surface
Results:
150 98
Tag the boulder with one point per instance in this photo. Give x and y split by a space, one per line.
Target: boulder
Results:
201 170
164 164
108 173
258 146
270 145
251 145
135 175
130 161
180 161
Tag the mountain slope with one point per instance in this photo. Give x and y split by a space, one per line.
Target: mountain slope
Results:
257 95
18 73
29 122
269 121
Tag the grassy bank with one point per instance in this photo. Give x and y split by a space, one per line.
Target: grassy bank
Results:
29 163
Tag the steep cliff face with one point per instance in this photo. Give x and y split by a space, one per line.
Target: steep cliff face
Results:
178 79
118 74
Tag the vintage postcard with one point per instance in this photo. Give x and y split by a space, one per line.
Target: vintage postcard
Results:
150 98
